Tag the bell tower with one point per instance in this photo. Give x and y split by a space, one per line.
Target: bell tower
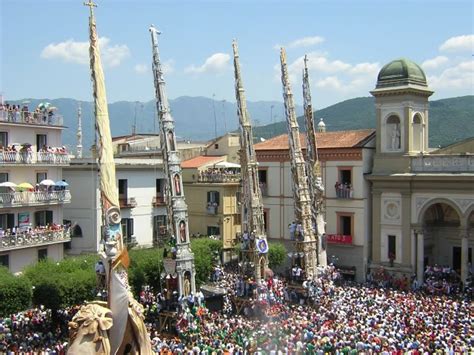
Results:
402 110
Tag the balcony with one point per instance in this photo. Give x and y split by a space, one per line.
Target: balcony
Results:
214 176
212 209
36 237
344 191
19 158
128 202
439 163
33 198
159 200
31 118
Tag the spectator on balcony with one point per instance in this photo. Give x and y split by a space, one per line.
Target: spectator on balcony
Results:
292 228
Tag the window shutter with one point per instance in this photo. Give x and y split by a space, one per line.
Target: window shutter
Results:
10 220
130 227
49 217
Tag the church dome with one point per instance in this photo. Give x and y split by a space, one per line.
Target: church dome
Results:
401 72
321 123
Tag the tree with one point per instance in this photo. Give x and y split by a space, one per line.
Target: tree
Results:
15 293
276 255
205 250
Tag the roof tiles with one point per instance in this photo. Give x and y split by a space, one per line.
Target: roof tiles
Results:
336 139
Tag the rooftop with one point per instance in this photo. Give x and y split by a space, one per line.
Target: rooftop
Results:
401 72
325 140
201 161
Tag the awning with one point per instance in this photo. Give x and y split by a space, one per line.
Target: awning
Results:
226 164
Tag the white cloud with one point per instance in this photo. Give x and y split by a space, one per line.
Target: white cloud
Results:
216 63
435 62
460 76
168 66
371 69
318 62
140 68
302 42
78 52
330 82
458 44
306 42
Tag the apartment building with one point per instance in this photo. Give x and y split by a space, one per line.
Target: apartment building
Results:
33 192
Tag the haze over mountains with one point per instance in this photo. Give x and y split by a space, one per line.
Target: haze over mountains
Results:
199 118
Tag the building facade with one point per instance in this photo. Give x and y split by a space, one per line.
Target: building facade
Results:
345 157
142 202
211 186
423 198
32 190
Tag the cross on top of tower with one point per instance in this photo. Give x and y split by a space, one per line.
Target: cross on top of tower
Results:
305 60
91 5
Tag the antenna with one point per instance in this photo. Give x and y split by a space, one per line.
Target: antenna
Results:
215 117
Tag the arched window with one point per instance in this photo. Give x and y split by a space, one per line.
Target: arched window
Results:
393 133
76 231
417 132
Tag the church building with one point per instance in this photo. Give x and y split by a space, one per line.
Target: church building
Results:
422 198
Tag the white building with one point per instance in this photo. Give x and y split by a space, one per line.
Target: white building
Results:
142 203
345 157
31 200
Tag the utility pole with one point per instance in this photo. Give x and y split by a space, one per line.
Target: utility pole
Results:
223 115
215 117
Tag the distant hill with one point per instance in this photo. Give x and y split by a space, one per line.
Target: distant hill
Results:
451 120
194 117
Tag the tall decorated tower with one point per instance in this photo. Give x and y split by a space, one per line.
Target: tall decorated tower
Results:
178 211
307 240
254 254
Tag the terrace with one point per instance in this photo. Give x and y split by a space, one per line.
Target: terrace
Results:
34 237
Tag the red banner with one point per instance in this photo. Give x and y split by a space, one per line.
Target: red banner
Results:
339 239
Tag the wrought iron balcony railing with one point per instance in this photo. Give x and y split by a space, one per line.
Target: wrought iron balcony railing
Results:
128 202
34 238
159 200
219 177
28 198
8 157
344 193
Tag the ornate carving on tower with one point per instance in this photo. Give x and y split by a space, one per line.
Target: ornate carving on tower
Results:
178 226
307 241
313 168
255 248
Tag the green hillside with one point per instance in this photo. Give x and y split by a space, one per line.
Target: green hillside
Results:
451 120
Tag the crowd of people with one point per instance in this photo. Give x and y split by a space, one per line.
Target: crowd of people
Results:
343 190
16 153
219 175
36 331
325 318
44 113
27 235
315 317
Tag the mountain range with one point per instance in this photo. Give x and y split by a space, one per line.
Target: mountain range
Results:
201 118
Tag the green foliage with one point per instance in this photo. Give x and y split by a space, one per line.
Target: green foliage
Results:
145 268
62 284
15 293
205 251
276 255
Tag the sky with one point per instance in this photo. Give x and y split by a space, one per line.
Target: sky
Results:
44 46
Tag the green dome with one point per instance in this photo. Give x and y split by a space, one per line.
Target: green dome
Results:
401 72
